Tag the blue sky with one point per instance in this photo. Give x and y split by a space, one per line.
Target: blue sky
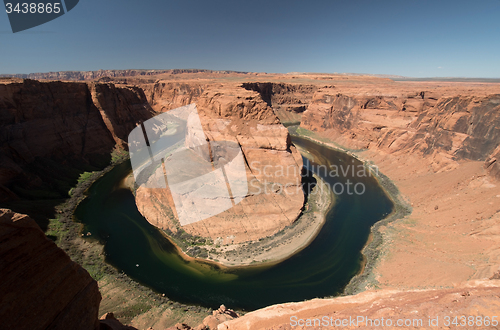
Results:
405 37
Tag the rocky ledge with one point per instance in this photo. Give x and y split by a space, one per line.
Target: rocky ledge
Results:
41 288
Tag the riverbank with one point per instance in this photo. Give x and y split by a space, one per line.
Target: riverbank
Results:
131 302
267 250
372 250
285 243
451 235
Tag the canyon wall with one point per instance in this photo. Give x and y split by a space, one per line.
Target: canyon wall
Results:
442 129
50 125
283 96
492 163
168 95
288 100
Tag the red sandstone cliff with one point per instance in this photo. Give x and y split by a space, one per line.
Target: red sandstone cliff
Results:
168 95
40 287
230 113
63 122
443 129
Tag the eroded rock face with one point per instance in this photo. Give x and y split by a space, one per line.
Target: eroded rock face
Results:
109 322
167 95
492 163
40 287
442 129
60 122
220 315
121 109
241 116
282 96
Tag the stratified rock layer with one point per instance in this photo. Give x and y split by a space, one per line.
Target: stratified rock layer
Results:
492 163
56 121
40 287
443 129
241 116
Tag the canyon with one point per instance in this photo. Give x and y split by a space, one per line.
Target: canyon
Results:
61 124
439 142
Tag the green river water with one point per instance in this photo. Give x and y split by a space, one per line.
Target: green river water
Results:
322 269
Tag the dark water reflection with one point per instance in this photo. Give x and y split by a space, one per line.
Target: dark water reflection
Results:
321 269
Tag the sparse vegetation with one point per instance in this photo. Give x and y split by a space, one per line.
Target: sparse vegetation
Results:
128 298
56 230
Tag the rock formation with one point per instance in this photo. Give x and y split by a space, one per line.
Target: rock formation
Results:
237 115
380 310
445 129
288 101
220 315
492 163
59 124
282 96
109 322
168 95
40 287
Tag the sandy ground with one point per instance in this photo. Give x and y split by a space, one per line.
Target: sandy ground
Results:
451 235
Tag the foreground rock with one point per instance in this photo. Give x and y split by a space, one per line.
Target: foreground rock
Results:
41 288
414 309
109 322
220 315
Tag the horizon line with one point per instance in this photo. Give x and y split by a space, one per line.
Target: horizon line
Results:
379 75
